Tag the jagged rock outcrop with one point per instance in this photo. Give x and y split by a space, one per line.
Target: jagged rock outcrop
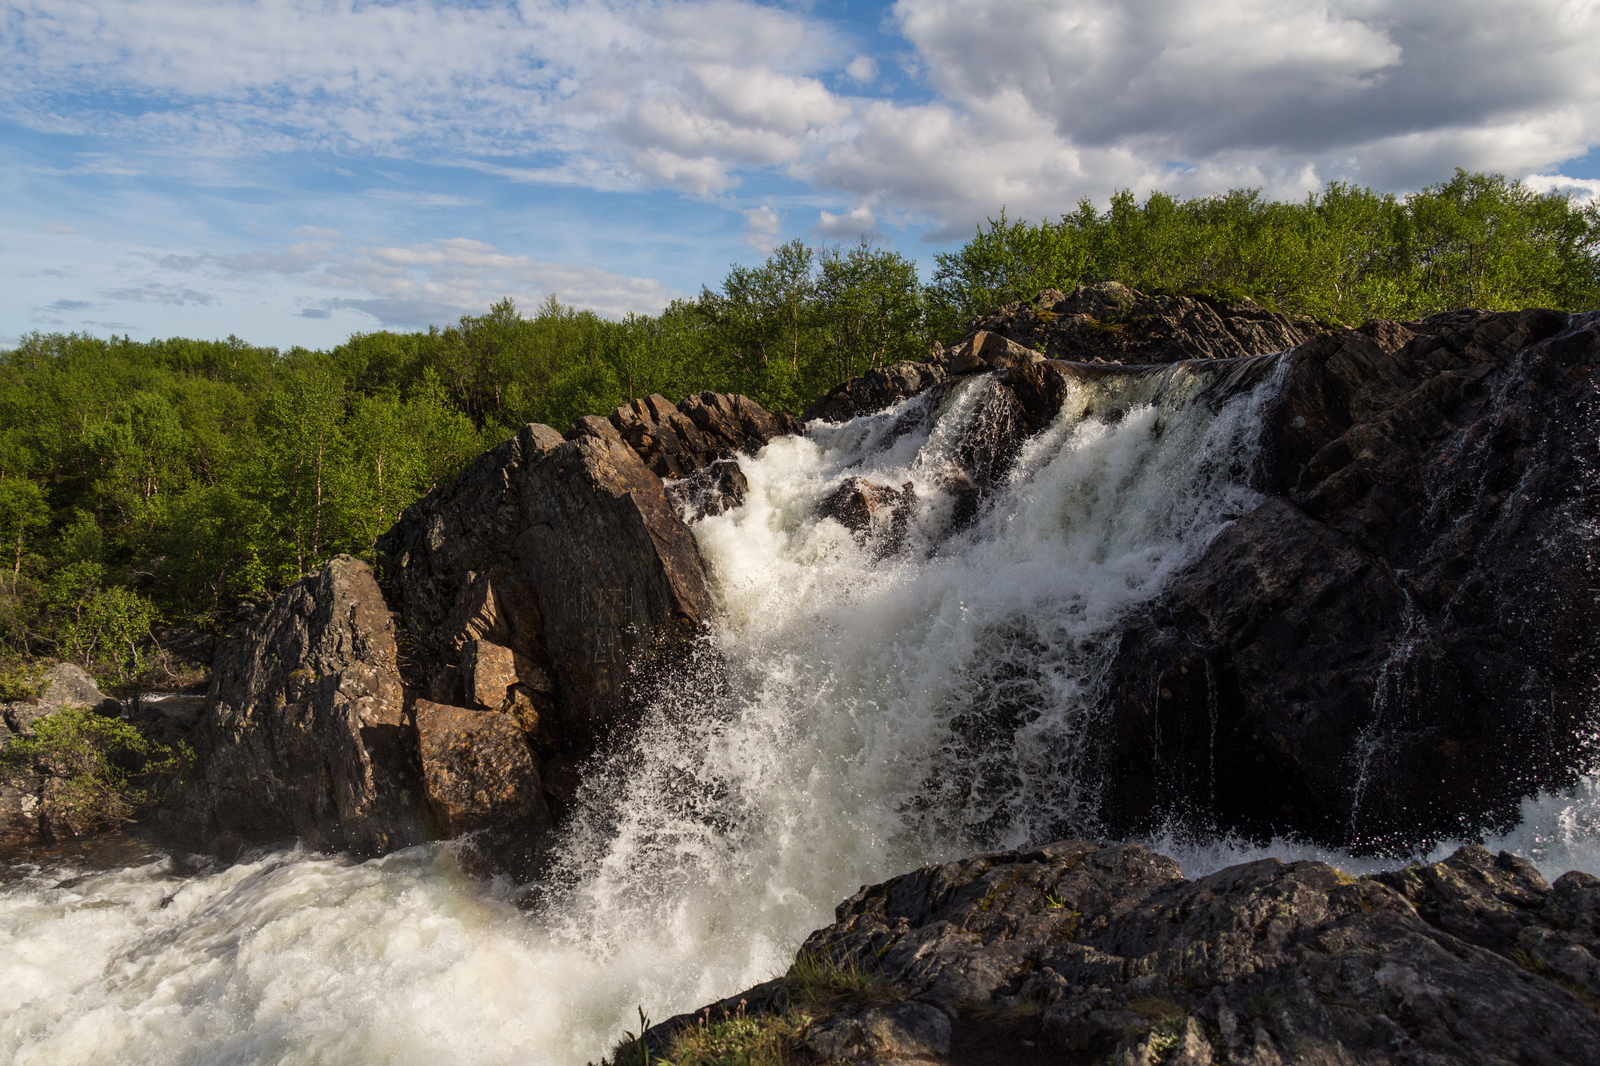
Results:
1109 322
308 734
676 440
875 390
518 616
1399 644
1402 643
1082 953
566 553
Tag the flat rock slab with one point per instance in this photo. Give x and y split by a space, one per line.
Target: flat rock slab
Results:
1078 952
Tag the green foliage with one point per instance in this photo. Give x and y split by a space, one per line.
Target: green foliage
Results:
191 475
819 982
101 770
1347 255
18 682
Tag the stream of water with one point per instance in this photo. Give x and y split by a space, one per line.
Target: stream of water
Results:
887 700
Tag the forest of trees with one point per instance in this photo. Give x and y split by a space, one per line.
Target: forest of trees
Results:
166 482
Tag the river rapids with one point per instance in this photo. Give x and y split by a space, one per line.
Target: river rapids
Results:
867 705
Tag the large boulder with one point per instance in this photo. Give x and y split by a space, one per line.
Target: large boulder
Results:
557 562
1078 952
308 734
519 614
63 685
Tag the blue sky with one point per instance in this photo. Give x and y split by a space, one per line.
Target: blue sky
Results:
292 171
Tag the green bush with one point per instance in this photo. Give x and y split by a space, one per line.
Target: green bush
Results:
99 771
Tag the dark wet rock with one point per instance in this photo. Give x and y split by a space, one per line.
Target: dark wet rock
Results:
1403 644
676 440
876 390
308 734
877 513
1109 322
714 489
1082 953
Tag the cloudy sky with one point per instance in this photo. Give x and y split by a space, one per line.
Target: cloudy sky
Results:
295 170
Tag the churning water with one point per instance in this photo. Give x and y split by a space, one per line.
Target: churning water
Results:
872 700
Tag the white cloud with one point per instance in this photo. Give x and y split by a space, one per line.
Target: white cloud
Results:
1035 103
857 223
415 285
862 68
1579 190
1044 101
700 87
762 228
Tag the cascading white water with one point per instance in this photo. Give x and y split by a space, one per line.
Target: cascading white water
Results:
875 709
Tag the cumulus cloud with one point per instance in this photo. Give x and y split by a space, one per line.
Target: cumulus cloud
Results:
1029 104
762 228
858 223
862 69
1579 190
1042 101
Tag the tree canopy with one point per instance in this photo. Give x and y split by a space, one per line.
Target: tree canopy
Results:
171 479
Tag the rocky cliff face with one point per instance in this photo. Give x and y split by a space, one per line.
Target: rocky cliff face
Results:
1401 642
516 616
1110 322
1082 953
308 734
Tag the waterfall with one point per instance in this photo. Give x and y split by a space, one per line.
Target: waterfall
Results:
872 699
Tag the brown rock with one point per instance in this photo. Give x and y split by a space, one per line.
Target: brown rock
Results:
675 443
491 670
877 513
307 734
567 553
988 351
478 771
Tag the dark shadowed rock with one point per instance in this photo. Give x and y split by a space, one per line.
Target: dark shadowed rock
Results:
875 390
879 514
1111 323
1083 953
308 734
1404 644
714 489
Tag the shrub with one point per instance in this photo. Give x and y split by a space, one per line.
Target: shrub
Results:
99 771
